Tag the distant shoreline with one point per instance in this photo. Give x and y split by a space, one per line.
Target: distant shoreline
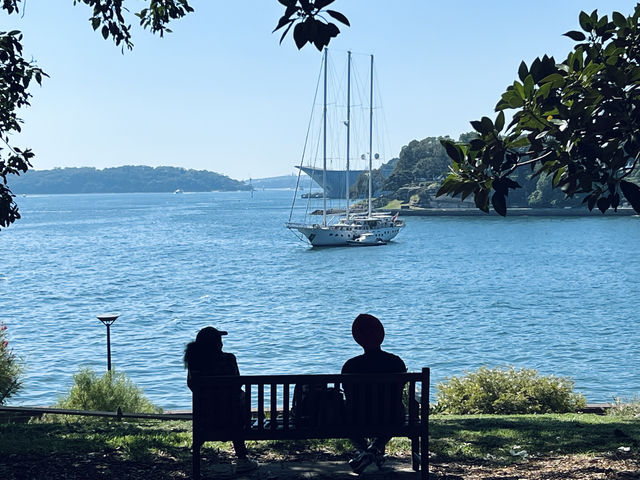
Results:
511 212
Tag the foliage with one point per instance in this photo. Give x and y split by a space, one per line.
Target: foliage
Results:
545 196
109 16
106 393
123 179
625 409
16 74
360 189
310 25
576 121
419 161
507 391
10 370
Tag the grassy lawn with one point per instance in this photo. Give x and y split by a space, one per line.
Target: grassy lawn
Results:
500 439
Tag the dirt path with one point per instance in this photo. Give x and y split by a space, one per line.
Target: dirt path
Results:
112 465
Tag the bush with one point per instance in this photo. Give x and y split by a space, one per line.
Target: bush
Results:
106 393
628 409
10 370
507 391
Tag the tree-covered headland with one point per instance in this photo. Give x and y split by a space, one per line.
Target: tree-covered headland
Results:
422 165
127 179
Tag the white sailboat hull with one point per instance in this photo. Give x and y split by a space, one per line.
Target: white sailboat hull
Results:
365 231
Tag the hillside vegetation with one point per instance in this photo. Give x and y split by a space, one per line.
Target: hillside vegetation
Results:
423 164
127 179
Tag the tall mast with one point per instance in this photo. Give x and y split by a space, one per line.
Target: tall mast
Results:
370 136
324 146
347 184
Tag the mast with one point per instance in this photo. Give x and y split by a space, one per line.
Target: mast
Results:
324 146
370 136
348 127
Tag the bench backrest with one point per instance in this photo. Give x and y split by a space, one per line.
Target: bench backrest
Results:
218 415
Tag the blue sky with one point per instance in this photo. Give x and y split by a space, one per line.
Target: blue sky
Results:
221 94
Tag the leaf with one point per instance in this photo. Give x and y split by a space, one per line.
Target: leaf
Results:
340 17
95 23
453 151
282 22
615 201
603 203
499 202
500 121
105 32
301 35
499 186
512 184
585 22
481 199
528 86
575 35
448 185
286 30
619 20
631 192
477 144
523 71
555 79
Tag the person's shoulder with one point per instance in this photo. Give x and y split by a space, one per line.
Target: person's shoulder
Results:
228 357
351 365
396 360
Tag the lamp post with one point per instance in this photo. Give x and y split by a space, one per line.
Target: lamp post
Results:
108 320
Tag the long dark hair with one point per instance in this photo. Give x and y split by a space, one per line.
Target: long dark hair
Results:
198 354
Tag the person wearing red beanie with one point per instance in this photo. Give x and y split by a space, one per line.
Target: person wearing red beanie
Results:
368 332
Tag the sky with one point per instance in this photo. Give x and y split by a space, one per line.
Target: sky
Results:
222 94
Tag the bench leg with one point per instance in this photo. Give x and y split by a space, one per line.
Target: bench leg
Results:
196 461
415 453
424 457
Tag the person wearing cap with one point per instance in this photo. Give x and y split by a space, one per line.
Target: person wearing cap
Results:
374 407
205 356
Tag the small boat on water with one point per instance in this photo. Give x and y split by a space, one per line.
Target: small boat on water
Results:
366 240
366 228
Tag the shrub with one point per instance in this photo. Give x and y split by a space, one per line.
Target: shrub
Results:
628 409
106 393
10 370
507 391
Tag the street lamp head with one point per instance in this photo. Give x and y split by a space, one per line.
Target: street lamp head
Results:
108 319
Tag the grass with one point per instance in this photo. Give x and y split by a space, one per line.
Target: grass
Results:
393 205
493 438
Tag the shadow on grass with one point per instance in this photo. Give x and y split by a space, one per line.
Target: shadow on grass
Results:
154 449
503 437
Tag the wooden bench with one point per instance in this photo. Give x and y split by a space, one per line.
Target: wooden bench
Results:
268 397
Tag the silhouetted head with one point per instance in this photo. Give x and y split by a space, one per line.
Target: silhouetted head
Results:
210 337
367 331
208 343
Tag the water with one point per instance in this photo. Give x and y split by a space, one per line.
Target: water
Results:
555 294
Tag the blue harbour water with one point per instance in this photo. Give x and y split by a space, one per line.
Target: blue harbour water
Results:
556 294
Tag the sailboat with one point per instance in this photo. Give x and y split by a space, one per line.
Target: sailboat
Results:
367 228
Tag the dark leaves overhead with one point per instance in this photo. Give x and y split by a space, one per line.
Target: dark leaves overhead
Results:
575 121
310 24
16 74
